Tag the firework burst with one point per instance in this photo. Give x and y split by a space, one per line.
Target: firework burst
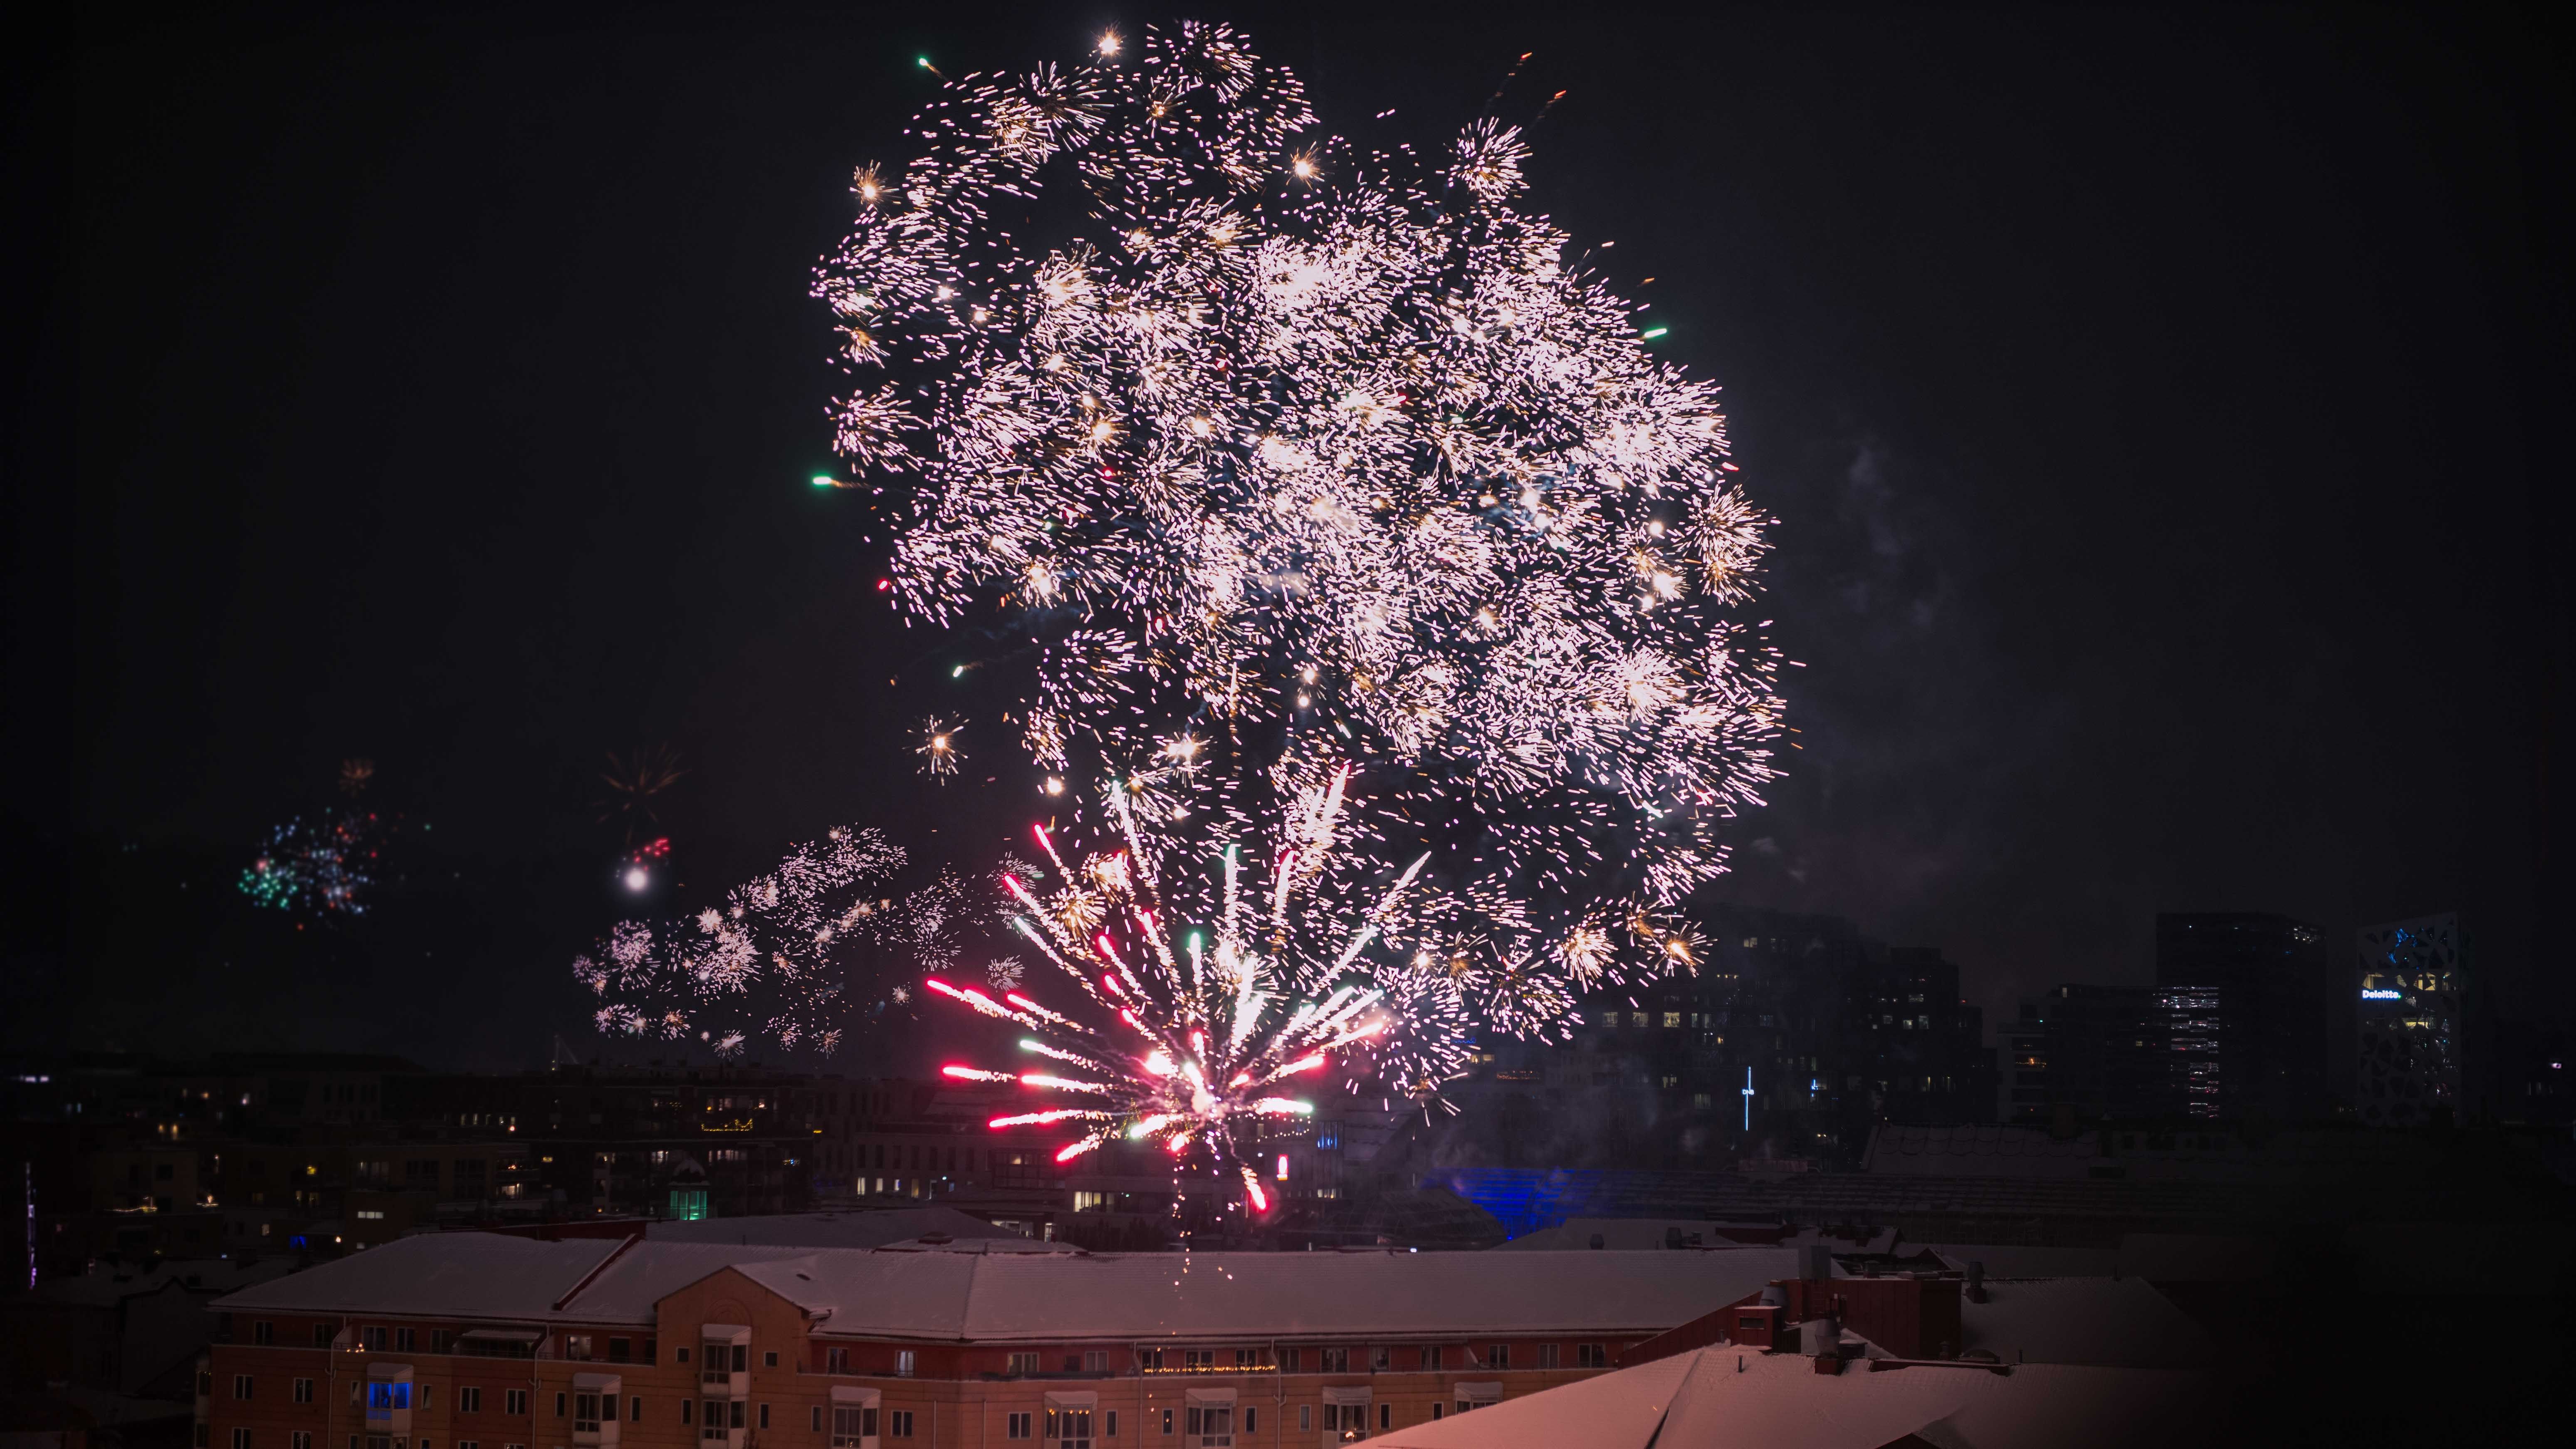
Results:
324 869
788 956
1195 1038
1288 451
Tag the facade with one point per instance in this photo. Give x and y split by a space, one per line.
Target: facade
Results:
2414 981
486 1341
2271 984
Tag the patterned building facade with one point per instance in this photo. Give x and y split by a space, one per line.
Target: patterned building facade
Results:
2413 990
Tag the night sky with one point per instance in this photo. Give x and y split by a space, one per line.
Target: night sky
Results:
2162 412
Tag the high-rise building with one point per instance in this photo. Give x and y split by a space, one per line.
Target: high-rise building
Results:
2413 982
2266 984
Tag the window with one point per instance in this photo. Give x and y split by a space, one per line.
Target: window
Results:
619 1349
635 1409
577 1346
903 1370
686 1407
1333 1360
1211 1427
1431 1358
1167 1421
1149 1360
1502 1356
1597 1355
321 1335
682 1354
1109 1425
1251 1416
375 1338
1245 1358
836 1360
301 1439
403 1341
1350 1421
241 1386
514 1402
850 1424
589 1409
1305 1417
1022 1364
1015 1426
1672 1019
899 1423
1547 1355
304 1391
559 1406
764 1416
241 1439
469 1400
1381 1360
769 1360
1198 1359
1095 1360
263 1331
1386 1416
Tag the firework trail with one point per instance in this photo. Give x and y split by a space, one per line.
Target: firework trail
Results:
1290 454
788 957
1194 991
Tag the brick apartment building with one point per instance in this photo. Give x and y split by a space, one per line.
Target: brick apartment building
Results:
485 1341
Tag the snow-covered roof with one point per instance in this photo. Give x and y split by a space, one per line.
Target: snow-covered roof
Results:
2110 1321
1716 1397
441 1275
1108 1297
2012 1260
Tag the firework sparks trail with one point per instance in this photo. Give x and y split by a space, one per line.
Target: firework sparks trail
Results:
1290 452
783 958
1194 1039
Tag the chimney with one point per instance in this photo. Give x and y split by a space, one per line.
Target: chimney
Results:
1976 1280
1816 1263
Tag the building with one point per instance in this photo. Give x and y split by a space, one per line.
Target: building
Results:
2267 984
483 1340
2414 980
1785 1038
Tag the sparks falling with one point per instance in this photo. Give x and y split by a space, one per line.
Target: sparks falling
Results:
1286 451
1208 1040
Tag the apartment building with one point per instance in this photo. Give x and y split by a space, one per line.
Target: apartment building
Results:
485 1341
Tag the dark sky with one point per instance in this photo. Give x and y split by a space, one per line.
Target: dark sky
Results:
2162 411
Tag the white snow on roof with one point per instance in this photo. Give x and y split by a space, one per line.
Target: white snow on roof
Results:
1109 1297
2108 1321
2011 1260
444 1275
1729 1397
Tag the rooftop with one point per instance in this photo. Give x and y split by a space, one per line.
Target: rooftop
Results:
946 1296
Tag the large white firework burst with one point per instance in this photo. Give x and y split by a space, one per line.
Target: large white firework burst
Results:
1286 451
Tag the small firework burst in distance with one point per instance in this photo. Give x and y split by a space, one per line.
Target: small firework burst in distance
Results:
939 749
